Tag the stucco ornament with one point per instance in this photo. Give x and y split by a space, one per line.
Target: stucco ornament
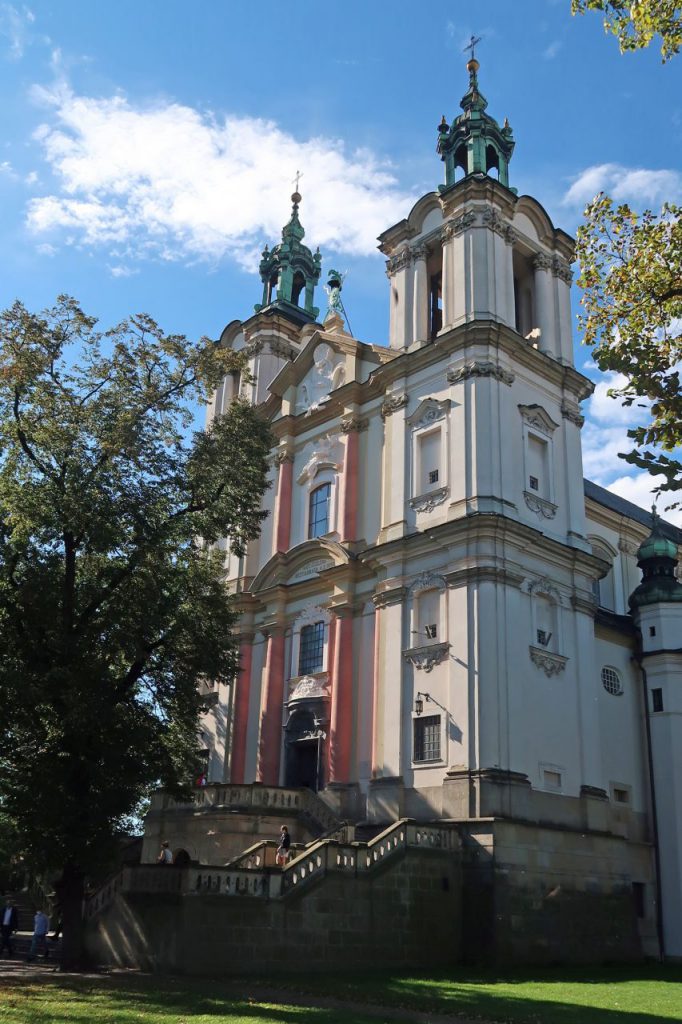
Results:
551 664
308 687
326 374
424 658
324 453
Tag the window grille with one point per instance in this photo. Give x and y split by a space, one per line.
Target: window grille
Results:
311 651
433 476
318 508
611 681
427 738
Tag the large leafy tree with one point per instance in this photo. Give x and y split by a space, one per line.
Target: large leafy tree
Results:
111 611
631 273
635 23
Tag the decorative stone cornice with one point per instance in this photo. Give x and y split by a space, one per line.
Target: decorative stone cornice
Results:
385 598
283 348
535 416
541 261
480 368
398 262
427 581
427 656
458 225
541 506
427 502
492 219
353 423
253 348
392 403
594 792
572 414
428 412
628 547
562 270
551 664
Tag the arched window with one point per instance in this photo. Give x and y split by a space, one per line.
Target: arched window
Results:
311 650
318 511
297 287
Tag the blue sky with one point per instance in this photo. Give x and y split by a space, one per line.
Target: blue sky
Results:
148 148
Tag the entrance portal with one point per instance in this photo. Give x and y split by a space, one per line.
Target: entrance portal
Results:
302 768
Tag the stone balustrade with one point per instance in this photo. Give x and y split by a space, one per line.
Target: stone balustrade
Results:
252 797
252 873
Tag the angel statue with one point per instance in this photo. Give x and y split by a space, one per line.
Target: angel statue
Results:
333 289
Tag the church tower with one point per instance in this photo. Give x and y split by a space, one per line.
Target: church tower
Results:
657 609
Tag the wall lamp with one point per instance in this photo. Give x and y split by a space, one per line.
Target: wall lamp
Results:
419 703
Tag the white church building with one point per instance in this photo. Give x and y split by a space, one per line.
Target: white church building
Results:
442 620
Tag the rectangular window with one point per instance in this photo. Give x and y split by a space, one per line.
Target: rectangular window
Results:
552 780
427 617
318 511
621 796
537 465
657 700
427 738
428 461
311 651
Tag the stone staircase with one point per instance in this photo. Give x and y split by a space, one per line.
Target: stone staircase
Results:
392 900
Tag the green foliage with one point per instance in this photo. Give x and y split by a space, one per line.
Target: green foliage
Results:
631 275
635 23
110 610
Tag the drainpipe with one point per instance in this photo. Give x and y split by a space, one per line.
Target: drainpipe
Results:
638 657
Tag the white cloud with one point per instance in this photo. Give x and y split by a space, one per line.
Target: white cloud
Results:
552 50
121 270
624 184
173 182
607 410
14 23
638 489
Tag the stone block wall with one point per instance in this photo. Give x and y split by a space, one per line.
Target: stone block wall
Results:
405 914
543 895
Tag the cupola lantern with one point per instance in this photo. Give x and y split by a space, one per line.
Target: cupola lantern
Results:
475 143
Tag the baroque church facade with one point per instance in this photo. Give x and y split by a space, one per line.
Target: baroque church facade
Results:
441 619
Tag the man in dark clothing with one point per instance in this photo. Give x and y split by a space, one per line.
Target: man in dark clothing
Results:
282 855
9 922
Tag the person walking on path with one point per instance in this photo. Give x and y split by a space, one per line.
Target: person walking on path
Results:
41 926
282 855
9 922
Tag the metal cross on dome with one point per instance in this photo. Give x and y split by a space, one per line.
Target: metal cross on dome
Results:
471 45
298 177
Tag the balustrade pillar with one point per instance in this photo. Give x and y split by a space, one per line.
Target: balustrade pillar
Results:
341 728
271 710
241 711
420 298
543 302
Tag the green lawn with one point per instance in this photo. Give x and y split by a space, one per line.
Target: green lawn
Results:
542 996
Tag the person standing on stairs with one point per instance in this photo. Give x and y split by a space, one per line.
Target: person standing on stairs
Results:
282 855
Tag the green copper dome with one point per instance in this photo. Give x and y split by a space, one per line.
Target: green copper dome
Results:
475 143
657 558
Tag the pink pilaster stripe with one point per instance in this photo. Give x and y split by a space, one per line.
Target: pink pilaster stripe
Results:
241 713
283 506
271 720
341 738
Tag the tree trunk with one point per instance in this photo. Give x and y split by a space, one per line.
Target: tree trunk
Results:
70 891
